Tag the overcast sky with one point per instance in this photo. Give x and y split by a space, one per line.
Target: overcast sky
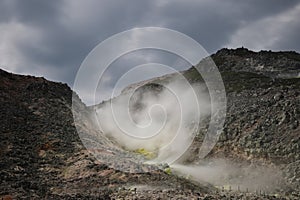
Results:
51 38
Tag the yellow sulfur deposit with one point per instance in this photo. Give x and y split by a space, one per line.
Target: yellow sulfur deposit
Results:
168 170
146 153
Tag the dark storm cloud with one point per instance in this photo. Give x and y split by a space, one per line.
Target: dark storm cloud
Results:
5 11
290 40
37 12
51 38
66 38
212 23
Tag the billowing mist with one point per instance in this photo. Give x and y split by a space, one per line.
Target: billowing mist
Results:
228 175
160 118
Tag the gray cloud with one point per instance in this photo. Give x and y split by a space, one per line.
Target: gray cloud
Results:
271 32
40 13
51 38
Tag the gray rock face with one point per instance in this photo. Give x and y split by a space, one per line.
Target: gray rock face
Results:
271 64
263 109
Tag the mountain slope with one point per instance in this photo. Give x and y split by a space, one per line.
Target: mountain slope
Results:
42 155
262 125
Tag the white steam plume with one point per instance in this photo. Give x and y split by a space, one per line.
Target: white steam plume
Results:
163 119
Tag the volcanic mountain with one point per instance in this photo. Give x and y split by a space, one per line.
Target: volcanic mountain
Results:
42 155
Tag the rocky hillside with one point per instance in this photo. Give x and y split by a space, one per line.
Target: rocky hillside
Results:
284 64
262 126
263 107
42 156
